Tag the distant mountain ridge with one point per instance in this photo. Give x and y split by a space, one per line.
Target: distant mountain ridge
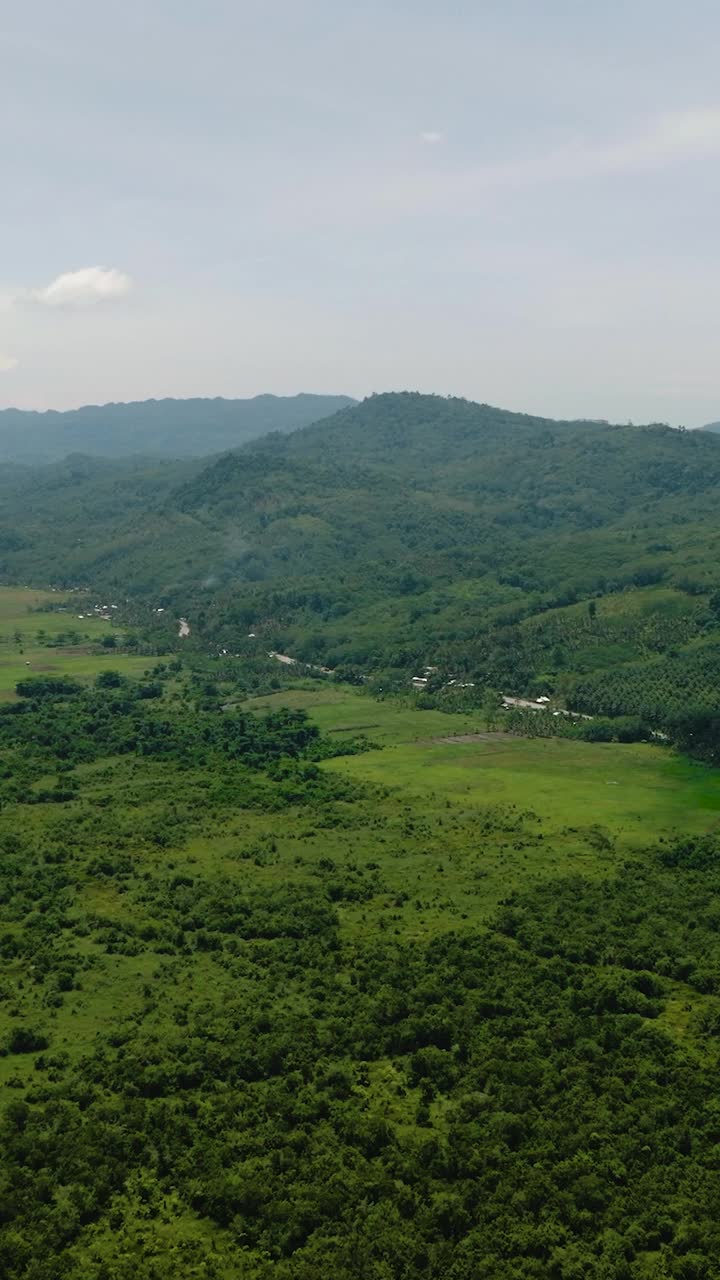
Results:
160 428
711 426
428 487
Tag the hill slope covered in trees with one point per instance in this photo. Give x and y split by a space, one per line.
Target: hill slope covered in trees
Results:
514 551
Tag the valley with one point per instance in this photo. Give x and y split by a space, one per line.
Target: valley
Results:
317 958
514 553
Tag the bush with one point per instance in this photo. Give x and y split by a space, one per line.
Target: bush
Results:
25 1040
37 687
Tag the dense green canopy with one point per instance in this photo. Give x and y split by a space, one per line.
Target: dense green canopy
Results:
260 1090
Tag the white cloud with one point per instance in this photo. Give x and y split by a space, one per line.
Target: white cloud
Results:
696 130
431 137
8 363
659 143
83 288
676 136
665 140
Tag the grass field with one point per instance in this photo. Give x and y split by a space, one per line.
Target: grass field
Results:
28 630
458 826
632 790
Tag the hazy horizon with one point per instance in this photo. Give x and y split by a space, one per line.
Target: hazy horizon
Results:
106 404
515 205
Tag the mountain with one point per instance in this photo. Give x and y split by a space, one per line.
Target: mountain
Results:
711 426
167 428
519 552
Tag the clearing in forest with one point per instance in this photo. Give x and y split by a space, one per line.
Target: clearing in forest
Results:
37 637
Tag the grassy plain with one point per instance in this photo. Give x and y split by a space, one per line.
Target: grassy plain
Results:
635 791
457 826
30 624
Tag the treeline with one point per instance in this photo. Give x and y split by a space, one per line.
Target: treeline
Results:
58 719
59 724
656 688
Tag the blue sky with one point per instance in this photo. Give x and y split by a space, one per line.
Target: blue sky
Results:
514 201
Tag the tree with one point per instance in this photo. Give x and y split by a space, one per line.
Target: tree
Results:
490 708
110 680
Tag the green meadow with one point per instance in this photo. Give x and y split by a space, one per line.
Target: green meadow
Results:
635 791
458 825
37 639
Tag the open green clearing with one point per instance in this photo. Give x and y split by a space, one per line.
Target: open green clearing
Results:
41 641
636 792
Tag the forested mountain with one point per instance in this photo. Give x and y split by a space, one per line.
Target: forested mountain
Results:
711 426
410 529
169 428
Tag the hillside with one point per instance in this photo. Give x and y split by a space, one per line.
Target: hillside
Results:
88 519
517 552
711 426
168 428
416 530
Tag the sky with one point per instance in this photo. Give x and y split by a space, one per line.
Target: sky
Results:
510 201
